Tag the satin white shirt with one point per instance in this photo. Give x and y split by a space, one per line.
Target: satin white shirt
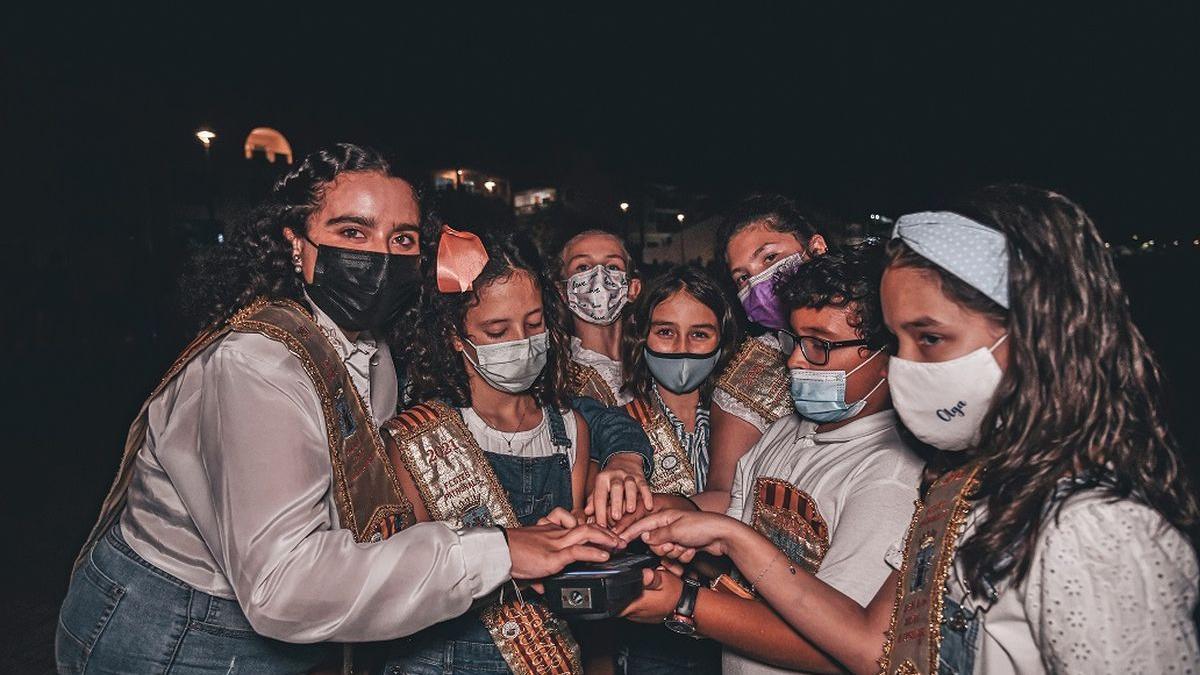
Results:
232 493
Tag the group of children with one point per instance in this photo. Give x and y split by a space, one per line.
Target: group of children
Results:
939 453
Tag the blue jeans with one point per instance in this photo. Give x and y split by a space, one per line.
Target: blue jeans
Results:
124 615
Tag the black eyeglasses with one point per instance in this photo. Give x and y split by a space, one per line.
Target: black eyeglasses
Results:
815 350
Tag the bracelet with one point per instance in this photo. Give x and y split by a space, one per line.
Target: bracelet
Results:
763 573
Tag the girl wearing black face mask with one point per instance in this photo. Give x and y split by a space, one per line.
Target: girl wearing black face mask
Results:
254 483
680 333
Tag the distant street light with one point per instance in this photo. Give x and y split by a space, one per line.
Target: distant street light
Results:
624 206
682 256
489 185
206 135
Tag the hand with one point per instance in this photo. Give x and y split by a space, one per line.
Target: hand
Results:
542 550
679 534
560 517
617 488
660 594
661 503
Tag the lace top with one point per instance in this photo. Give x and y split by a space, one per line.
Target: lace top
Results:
1111 589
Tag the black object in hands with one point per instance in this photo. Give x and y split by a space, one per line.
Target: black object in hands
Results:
587 590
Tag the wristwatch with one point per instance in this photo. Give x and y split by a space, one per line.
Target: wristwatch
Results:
681 621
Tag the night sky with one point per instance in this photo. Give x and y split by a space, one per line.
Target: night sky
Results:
866 110
881 109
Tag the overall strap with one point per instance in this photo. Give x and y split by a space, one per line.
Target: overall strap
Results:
558 428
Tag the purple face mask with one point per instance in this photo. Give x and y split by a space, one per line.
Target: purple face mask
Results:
758 296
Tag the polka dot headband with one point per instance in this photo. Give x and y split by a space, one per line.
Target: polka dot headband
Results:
973 252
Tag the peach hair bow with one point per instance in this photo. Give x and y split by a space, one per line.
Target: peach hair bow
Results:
460 258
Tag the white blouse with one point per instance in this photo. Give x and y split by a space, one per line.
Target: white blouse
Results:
1111 589
533 442
610 371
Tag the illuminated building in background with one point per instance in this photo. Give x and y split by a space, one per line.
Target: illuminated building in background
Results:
527 202
265 141
472 181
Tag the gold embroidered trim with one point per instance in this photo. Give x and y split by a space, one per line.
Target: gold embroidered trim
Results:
438 450
532 640
584 380
963 481
784 512
757 378
430 433
673 472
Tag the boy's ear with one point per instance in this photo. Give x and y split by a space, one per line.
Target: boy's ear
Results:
817 245
456 342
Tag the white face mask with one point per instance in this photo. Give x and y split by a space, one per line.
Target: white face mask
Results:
944 403
597 295
510 366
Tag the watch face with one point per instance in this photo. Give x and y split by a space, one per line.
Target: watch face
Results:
681 626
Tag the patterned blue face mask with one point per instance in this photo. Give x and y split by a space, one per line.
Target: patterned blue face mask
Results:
820 395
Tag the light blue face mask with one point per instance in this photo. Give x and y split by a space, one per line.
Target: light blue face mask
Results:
820 395
681 372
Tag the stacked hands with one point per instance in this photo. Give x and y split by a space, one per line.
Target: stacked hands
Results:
621 510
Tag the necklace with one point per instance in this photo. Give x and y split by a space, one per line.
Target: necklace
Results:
508 440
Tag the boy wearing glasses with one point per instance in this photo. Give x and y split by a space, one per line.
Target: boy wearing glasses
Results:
832 490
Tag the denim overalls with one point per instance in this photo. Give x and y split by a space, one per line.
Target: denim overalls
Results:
535 485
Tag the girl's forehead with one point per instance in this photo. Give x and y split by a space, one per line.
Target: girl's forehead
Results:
518 289
751 237
684 307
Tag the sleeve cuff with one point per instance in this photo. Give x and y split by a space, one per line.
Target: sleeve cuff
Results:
485 558
647 465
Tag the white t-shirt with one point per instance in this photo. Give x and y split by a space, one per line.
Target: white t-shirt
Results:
723 400
863 480
533 442
1111 589
610 371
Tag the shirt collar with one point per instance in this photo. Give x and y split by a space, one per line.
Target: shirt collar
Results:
586 356
863 426
365 343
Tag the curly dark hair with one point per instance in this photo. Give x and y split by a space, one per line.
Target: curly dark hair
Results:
1081 396
256 261
437 370
698 284
848 277
775 211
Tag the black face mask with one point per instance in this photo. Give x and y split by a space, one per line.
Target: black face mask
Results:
363 290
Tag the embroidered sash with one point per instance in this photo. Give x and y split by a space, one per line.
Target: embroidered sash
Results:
367 495
584 380
790 519
673 471
757 378
914 638
458 486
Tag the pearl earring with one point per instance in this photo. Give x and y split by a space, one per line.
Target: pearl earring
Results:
296 262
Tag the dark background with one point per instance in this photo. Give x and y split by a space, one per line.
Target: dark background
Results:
872 110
